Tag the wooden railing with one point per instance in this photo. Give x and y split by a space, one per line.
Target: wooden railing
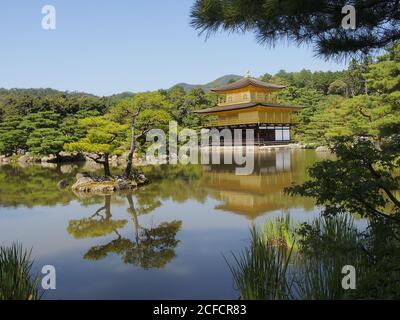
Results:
239 99
227 122
231 122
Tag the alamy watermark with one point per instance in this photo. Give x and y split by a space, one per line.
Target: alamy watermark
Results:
49 280
49 18
190 147
349 20
349 280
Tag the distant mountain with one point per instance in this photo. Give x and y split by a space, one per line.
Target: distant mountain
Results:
45 92
119 96
41 92
216 83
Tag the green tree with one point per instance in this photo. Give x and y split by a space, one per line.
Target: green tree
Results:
354 77
338 87
317 23
364 179
195 99
364 114
103 138
43 132
12 137
176 97
46 132
143 112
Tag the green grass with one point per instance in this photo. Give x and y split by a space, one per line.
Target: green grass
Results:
261 271
333 245
284 263
16 279
280 232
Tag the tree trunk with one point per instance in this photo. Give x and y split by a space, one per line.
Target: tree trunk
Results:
107 205
129 160
106 165
135 219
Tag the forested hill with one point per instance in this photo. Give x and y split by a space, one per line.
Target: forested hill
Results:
40 92
206 87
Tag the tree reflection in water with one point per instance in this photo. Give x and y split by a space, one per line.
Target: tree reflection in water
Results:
96 225
152 247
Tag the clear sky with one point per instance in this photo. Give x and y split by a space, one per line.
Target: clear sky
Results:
109 46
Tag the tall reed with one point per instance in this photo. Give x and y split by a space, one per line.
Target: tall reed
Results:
284 262
332 245
261 271
16 279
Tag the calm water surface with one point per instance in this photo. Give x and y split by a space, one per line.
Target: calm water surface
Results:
165 241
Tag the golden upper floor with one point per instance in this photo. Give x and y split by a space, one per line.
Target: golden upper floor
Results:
252 115
248 101
246 90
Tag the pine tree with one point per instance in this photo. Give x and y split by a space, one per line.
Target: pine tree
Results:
318 23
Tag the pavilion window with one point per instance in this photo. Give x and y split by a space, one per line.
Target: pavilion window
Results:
278 134
286 134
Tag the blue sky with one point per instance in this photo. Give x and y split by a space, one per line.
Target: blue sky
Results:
105 47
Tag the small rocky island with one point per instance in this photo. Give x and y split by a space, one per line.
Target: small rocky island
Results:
87 183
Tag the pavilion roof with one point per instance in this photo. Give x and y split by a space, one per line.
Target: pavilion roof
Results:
248 81
245 106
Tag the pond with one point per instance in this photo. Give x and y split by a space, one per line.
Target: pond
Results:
166 240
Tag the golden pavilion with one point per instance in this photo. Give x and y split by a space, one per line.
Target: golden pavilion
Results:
249 104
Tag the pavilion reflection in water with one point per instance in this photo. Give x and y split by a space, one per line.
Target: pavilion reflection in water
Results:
263 190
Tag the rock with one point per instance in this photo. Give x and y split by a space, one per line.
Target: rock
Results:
83 182
6 161
322 149
121 184
74 154
67 168
48 165
62 184
133 184
86 183
101 187
24 159
121 162
80 175
49 158
296 146
141 179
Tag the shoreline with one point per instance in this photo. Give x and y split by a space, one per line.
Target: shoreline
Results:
115 161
